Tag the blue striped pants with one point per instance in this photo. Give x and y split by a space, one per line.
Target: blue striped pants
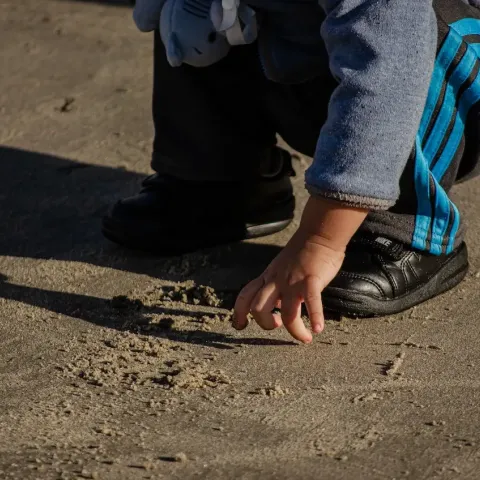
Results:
447 145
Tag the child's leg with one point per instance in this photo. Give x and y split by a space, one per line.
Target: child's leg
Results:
219 177
447 146
210 123
415 251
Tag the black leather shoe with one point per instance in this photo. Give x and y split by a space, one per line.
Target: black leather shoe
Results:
172 216
382 277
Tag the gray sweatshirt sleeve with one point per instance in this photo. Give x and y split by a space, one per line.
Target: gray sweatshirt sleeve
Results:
382 53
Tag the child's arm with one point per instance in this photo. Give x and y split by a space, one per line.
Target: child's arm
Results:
382 53
301 271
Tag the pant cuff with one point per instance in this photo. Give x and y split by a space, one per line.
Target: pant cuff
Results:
401 227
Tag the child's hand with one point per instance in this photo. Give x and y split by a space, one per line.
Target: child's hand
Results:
298 274
301 271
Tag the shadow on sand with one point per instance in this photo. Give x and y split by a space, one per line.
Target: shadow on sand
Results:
51 208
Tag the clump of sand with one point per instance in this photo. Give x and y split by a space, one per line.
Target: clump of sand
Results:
182 375
272 390
120 359
188 293
124 360
174 308
191 293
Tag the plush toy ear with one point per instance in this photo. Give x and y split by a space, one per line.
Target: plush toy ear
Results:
216 14
223 14
174 52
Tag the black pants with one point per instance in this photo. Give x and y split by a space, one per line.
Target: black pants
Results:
215 123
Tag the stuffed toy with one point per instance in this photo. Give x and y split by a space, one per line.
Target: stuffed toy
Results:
197 32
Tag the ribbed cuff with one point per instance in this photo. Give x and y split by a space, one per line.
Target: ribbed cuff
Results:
358 201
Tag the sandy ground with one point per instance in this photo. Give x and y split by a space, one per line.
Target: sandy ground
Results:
111 369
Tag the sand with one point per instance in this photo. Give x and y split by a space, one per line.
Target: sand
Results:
116 365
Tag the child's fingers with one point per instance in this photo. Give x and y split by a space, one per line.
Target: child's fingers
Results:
292 319
313 301
262 306
243 302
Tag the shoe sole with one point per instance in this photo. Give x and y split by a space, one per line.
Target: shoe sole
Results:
351 304
161 242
